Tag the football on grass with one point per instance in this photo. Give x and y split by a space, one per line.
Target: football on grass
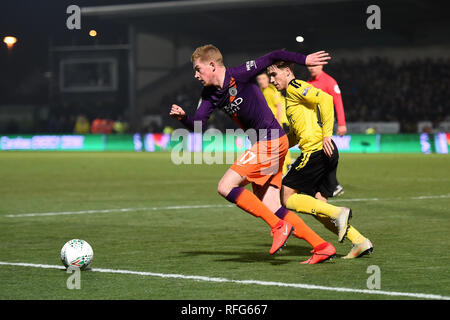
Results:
77 253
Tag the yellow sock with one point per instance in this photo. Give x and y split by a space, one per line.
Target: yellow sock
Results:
327 222
308 204
354 236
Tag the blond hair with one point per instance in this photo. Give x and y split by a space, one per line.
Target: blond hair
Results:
208 53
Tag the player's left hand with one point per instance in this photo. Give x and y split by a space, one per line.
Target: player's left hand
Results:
341 130
177 112
328 146
318 58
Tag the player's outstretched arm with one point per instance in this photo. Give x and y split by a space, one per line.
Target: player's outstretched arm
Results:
251 68
318 58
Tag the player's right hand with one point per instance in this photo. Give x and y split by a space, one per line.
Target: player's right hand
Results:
328 146
177 112
318 58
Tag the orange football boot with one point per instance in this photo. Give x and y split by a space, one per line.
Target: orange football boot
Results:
321 253
280 233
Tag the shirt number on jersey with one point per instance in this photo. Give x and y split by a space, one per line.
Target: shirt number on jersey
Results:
247 157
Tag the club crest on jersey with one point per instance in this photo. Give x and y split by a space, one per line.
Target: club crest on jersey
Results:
232 91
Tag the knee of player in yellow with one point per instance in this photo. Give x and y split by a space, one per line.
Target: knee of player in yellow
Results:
308 204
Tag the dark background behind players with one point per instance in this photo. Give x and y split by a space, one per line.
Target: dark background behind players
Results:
405 82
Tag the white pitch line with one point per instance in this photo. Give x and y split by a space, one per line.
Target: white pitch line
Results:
441 196
356 199
248 282
431 197
206 206
38 214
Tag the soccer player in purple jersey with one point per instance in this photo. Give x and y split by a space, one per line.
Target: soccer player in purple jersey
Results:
235 91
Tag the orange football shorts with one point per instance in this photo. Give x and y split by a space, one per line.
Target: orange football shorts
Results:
263 162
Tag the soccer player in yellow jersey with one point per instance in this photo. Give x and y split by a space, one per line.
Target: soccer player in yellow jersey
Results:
276 103
311 118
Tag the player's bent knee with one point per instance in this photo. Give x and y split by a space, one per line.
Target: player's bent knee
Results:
283 201
224 188
320 197
230 180
285 194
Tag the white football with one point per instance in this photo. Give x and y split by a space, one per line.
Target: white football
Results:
77 253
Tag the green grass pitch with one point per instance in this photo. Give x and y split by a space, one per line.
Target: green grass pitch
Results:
400 202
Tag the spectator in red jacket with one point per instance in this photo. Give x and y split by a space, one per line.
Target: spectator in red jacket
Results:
320 79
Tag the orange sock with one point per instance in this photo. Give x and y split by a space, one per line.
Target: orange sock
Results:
302 230
249 202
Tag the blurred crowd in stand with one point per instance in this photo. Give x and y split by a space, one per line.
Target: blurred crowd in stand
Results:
409 92
99 126
372 90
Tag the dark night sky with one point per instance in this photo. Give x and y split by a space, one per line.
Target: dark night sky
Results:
34 23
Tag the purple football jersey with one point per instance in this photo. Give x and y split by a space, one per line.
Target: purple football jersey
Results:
242 99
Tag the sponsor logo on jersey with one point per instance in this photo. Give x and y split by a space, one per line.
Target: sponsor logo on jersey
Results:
233 107
305 92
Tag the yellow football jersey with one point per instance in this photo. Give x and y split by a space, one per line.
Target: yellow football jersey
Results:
274 97
310 113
